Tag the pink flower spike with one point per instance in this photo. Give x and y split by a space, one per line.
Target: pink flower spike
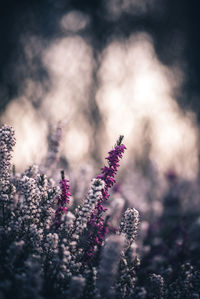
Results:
96 222
62 200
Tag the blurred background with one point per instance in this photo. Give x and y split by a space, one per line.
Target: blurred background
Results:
100 69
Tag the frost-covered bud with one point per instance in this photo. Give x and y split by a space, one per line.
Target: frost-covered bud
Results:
109 264
97 185
85 211
67 221
52 241
69 218
28 187
7 135
7 142
129 224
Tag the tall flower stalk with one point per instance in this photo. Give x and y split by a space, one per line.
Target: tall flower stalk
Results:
97 226
129 260
62 200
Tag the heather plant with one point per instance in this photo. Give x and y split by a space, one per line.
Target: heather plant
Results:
53 244
62 200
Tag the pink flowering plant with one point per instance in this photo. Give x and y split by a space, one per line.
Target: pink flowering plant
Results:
97 227
51 248
62 199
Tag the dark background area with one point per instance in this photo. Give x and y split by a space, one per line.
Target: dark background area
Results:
174 27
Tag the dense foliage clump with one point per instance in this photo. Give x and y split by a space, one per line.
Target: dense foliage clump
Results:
52 245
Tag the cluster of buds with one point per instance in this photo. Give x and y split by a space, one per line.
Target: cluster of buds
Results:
84 213
62 200
129 225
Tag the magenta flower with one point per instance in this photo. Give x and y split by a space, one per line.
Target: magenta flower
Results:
108 172
62 200
96 226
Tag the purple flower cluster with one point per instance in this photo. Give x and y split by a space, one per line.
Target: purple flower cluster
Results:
98 228
62 200
108 172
